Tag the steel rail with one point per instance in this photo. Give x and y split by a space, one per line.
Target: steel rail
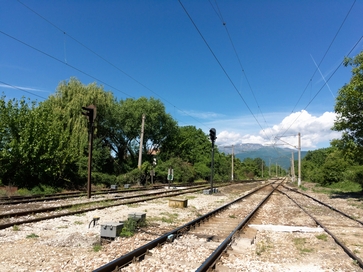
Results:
139 253
37 198
7 225
324 204
63 207
347 250
214 257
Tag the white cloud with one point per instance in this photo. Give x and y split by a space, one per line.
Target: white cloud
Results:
315 131
200 115
22 88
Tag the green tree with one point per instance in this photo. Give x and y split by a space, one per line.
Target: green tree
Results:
349 108
125 128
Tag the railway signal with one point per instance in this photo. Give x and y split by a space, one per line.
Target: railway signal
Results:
212 135
90 113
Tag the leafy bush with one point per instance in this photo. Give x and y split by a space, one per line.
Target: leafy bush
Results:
355 174
129 228
43 190
102 178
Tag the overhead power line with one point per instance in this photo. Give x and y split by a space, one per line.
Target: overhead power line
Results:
108 62
219 63
318 67
220 16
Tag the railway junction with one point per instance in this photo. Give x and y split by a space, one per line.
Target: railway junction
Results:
280 236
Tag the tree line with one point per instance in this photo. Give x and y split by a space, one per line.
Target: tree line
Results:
343 160
46 143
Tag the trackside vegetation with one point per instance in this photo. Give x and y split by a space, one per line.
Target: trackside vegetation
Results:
340 166
44 145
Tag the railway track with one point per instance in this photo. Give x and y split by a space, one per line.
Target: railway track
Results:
221 239
24 214
216 228
11 200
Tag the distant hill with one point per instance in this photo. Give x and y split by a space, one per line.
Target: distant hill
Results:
270 154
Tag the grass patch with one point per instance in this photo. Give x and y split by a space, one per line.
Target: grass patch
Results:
33 235
78 222
97 247
16 228
322 236
300 245
62 227
169 217
134 205
339 187
262 247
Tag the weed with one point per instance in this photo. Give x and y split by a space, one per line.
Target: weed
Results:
300 243
62 227
16 228
322 236
134 205
169 217
78 222
33 235
261 247
232 216
97 247
129 227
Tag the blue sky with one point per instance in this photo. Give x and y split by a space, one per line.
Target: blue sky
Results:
246 68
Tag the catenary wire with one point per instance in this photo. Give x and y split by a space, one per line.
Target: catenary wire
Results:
317 68
219 14
219 63
109 62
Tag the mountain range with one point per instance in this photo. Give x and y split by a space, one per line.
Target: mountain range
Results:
270 154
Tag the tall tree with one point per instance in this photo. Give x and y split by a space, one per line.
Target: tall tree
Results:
349 109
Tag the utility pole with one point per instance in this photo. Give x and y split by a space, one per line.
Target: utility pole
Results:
232 164
276 169
292 167
141 141
262 167
269 168
299 162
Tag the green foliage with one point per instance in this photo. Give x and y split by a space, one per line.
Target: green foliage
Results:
44 146
322 236
183 172
354 174
129 228
97 247
42 189
349 107
16 228
33 235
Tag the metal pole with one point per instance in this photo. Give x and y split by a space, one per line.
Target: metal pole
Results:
262 167
141 141
212 168
90 147
276 169
299 162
